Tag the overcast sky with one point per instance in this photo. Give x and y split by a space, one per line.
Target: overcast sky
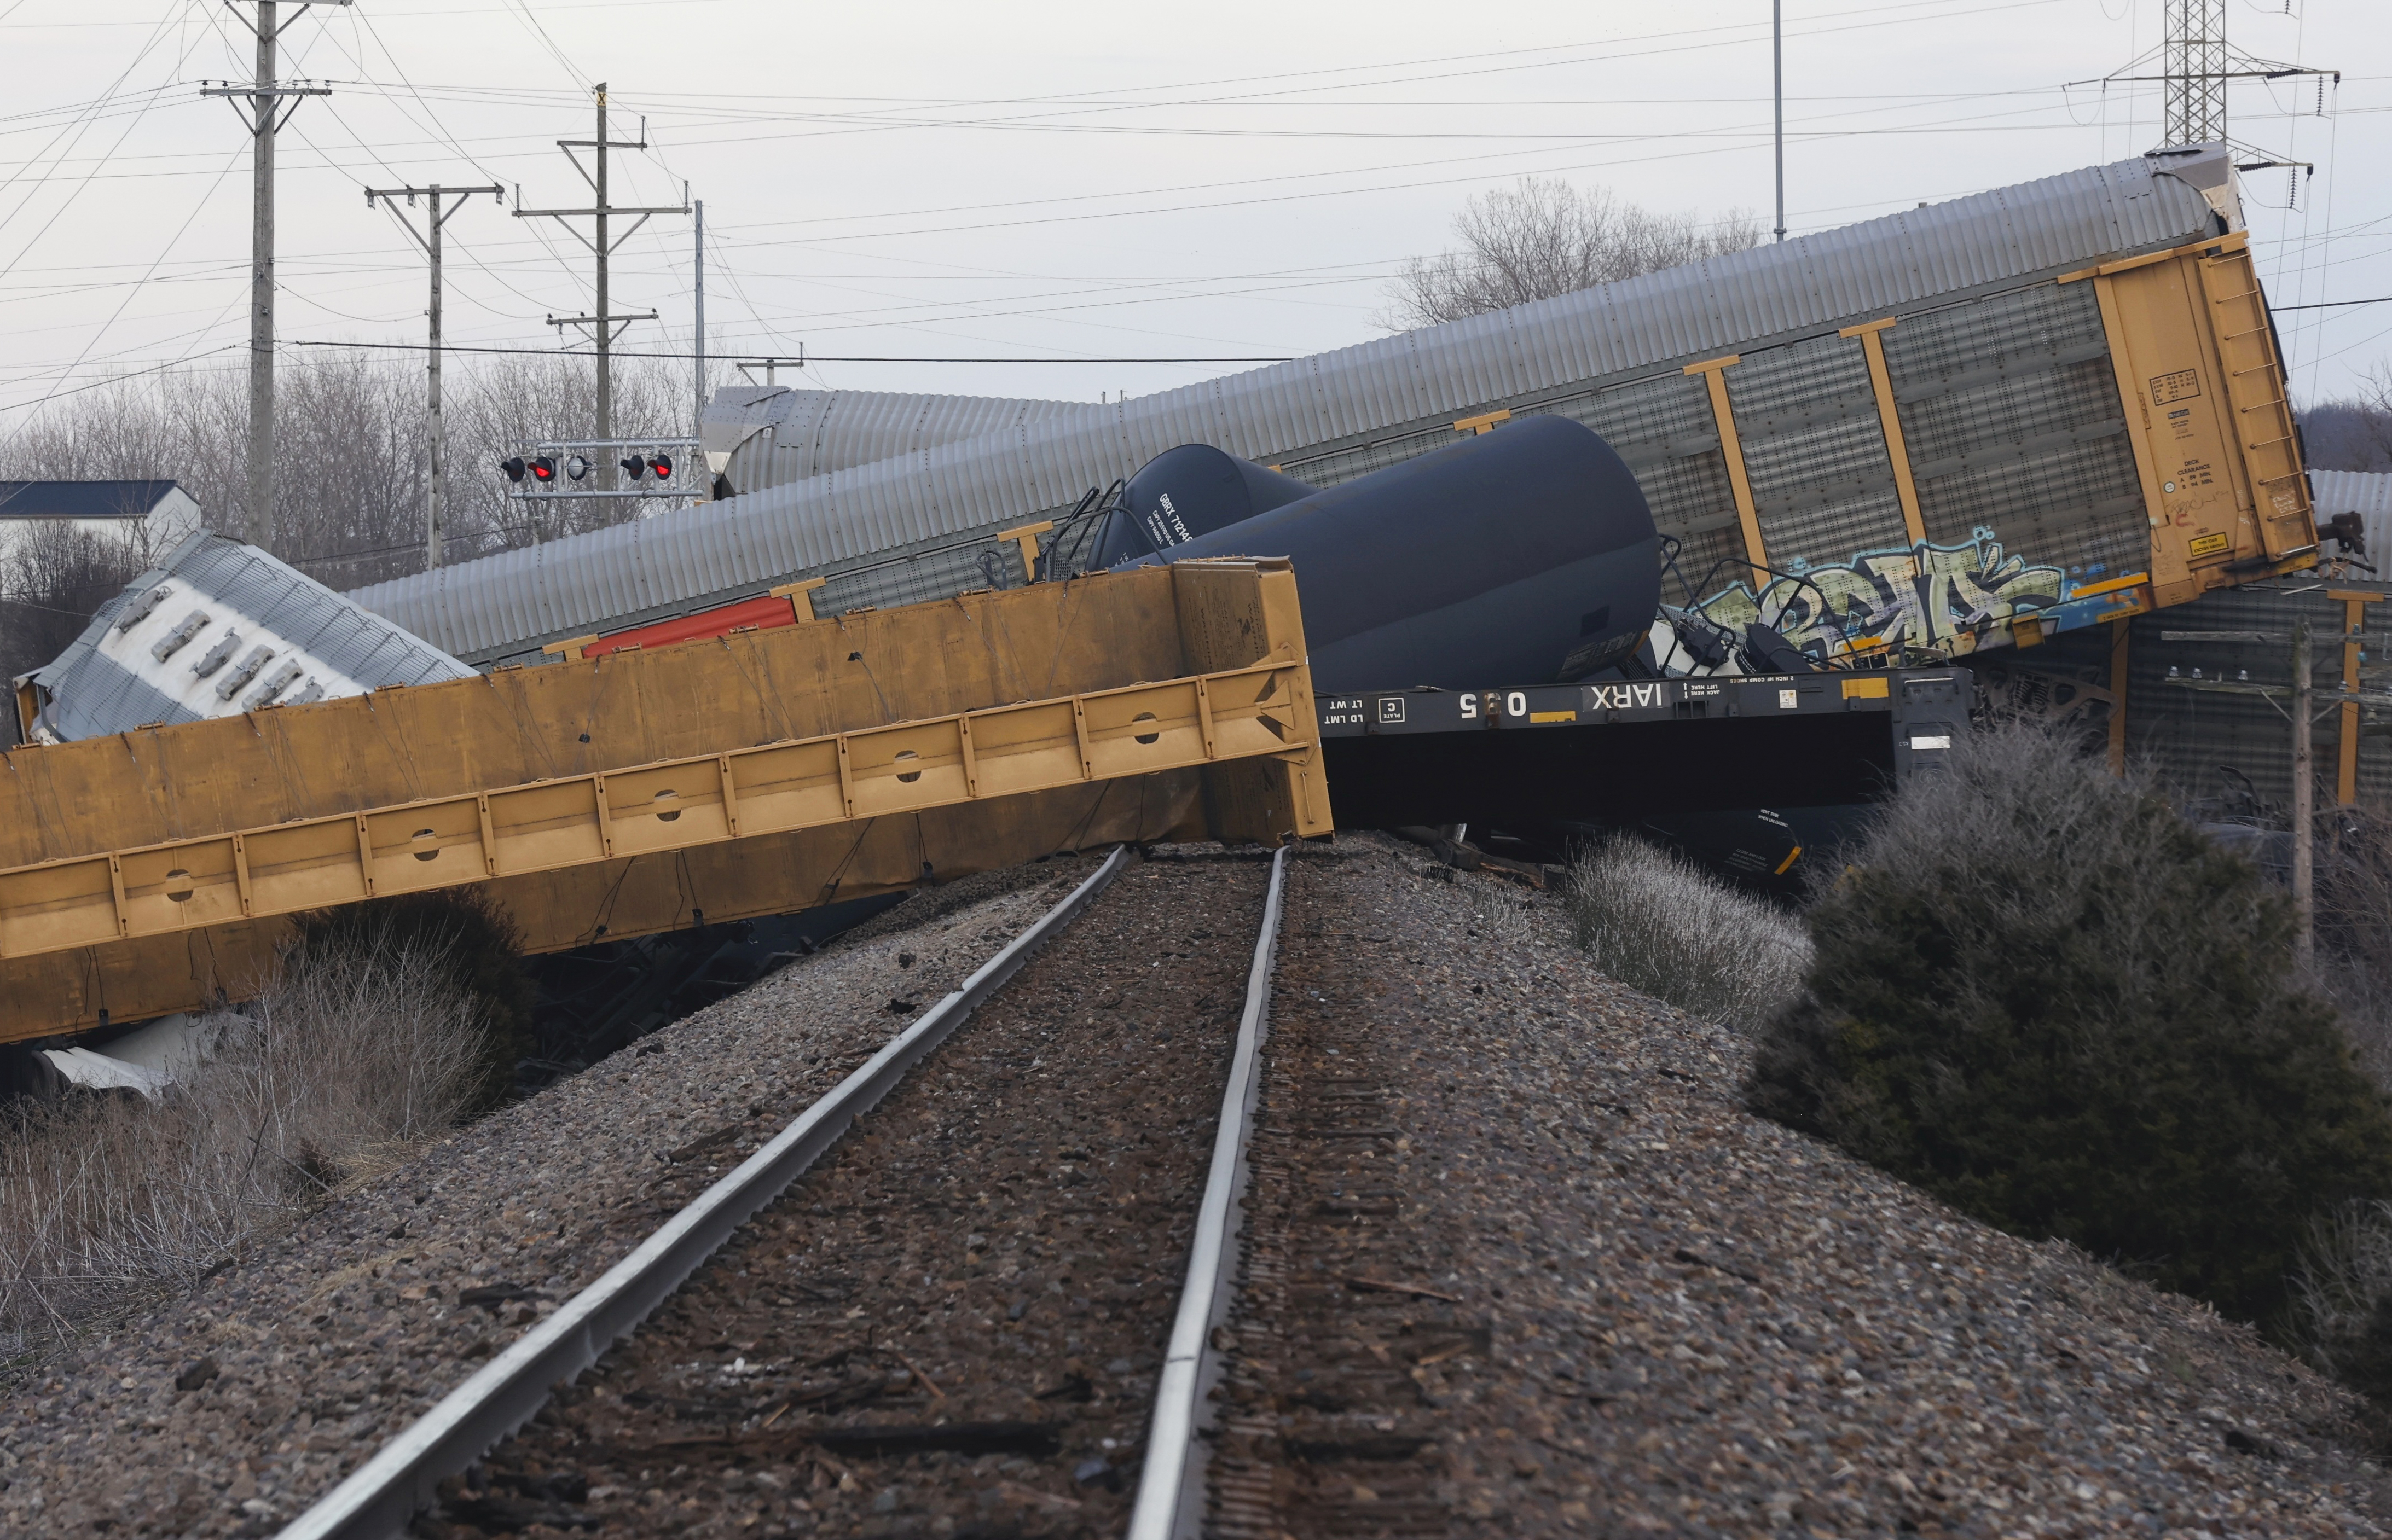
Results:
1066 181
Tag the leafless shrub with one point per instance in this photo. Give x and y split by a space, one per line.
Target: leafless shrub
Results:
357 1053
2342 1297
1543 237
2352 896
1657 922
52 576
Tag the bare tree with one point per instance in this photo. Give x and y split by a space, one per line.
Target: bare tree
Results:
52 577
351 450
1543 237
2353 433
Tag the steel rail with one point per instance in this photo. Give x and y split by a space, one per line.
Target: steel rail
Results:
381 1498
1170 1504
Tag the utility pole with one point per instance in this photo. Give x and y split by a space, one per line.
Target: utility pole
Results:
697 283
602 326
265 117
2303 804
436 490
1777 94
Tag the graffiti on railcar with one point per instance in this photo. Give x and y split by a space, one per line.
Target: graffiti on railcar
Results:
1926 596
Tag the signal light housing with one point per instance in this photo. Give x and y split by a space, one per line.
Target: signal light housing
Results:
661 465
633 466
543 468
576 467
514 468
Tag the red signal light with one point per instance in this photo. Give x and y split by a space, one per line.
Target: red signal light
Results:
661 465
543 468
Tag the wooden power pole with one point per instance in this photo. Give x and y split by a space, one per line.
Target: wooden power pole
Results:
265 97
604 325
435 488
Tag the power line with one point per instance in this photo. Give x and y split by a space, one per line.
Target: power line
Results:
757 357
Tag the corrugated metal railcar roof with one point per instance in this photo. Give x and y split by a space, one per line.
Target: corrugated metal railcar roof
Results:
2366 493
775 435
509 603
210 590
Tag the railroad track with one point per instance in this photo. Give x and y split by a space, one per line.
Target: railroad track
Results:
994 1303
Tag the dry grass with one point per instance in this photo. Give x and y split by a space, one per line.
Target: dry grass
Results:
363 1048
2342 1297
1660 924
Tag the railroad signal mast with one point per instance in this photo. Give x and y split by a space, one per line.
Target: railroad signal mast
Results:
265 116
435 488
603 324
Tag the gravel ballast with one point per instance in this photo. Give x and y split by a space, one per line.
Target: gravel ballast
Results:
1639 1309
326 1339
1625 1305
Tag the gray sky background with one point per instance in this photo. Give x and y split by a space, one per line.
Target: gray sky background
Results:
1067 180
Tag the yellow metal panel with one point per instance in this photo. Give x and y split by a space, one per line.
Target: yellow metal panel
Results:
2257 389
2354 619
793 786
1867 687
307 866
542 786
48 908
532 829
664 807
179 888
900 769
1484 422
423 845
2203 395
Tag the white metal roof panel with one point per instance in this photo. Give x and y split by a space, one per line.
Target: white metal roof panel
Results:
219 628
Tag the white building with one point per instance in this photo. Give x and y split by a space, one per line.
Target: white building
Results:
156 513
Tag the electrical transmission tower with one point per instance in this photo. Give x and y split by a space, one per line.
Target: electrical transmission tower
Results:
435 489
604 325
265 116
2192 60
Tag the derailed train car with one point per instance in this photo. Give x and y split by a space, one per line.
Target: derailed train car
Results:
1959 428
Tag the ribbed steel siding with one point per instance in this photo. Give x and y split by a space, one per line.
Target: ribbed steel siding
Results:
1814 453
2188 734
814 432
2366 493
1662 426
1395 387
2012 420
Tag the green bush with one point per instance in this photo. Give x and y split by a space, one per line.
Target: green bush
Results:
2041 995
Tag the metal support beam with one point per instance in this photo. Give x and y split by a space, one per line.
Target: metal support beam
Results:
1888 418
2354 621
1748 513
